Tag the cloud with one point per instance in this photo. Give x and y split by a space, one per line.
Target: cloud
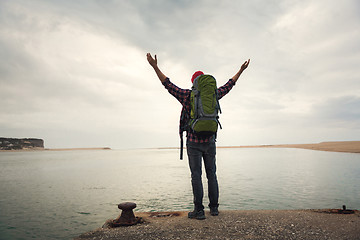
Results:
75 72
340 111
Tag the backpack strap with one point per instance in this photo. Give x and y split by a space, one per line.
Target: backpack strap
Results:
219 108
181 146
184 118
217 100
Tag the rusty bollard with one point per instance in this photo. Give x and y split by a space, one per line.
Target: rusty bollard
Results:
127 216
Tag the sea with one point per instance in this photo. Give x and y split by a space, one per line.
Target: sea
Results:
62 194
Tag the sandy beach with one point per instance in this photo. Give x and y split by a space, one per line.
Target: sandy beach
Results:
239 224
340 146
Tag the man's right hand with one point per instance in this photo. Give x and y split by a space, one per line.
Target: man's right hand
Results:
151 60
153 63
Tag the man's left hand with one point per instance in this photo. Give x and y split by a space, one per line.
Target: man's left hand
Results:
245 65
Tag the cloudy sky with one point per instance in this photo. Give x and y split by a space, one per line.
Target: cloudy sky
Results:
75 72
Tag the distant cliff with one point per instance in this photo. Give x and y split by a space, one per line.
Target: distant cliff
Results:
20 143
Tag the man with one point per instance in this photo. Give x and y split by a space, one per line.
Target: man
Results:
198 147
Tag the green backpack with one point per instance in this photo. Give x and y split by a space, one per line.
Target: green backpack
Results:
204 119
204 109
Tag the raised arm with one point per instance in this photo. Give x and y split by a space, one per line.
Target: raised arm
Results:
153 62
243 67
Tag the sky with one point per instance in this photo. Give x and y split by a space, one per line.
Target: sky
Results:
75 74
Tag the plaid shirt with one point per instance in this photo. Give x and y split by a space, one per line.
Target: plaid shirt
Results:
183 96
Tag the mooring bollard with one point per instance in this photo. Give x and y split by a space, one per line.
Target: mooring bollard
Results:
127 216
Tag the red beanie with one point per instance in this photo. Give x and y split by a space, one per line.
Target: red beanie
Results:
195 75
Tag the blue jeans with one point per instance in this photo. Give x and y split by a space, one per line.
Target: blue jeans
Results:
196 152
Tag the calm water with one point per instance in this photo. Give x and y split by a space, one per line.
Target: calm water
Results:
59 195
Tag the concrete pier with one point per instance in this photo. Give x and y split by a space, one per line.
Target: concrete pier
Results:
239 224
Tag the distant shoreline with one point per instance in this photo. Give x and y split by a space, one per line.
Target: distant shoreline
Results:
338 146
76 149
55 149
